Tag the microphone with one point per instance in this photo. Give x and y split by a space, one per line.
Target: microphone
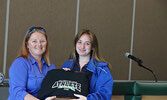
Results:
139 61
133 58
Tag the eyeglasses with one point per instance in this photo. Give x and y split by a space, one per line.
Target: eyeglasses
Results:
34 29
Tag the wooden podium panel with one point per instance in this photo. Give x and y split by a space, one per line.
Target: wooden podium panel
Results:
153 97
117 97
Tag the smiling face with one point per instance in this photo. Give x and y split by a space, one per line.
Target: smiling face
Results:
37 44
83 45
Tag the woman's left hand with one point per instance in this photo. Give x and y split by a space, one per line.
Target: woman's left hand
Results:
51 98
81 97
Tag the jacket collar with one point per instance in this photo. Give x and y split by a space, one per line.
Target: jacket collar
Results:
94 64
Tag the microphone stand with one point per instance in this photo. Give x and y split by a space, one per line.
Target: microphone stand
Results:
139 63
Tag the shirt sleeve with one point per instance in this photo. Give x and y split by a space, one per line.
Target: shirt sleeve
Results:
52 66
103 87
18 79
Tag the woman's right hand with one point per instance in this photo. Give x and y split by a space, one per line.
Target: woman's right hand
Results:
66 69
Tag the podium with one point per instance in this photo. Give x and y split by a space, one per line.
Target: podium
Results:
139 90
125 90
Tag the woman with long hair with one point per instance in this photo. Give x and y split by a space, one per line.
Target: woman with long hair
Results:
86 58
30 67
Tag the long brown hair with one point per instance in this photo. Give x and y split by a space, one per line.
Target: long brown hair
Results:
95 46
24 52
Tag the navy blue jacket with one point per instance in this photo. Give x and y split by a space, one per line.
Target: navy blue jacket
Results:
101 83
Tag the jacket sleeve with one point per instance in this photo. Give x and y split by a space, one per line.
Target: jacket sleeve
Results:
67 64
102 89
18 79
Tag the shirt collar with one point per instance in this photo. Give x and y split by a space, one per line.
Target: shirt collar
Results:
91 66
34 61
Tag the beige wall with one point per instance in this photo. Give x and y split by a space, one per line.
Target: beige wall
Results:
150 38
111 20
2 31
107 18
